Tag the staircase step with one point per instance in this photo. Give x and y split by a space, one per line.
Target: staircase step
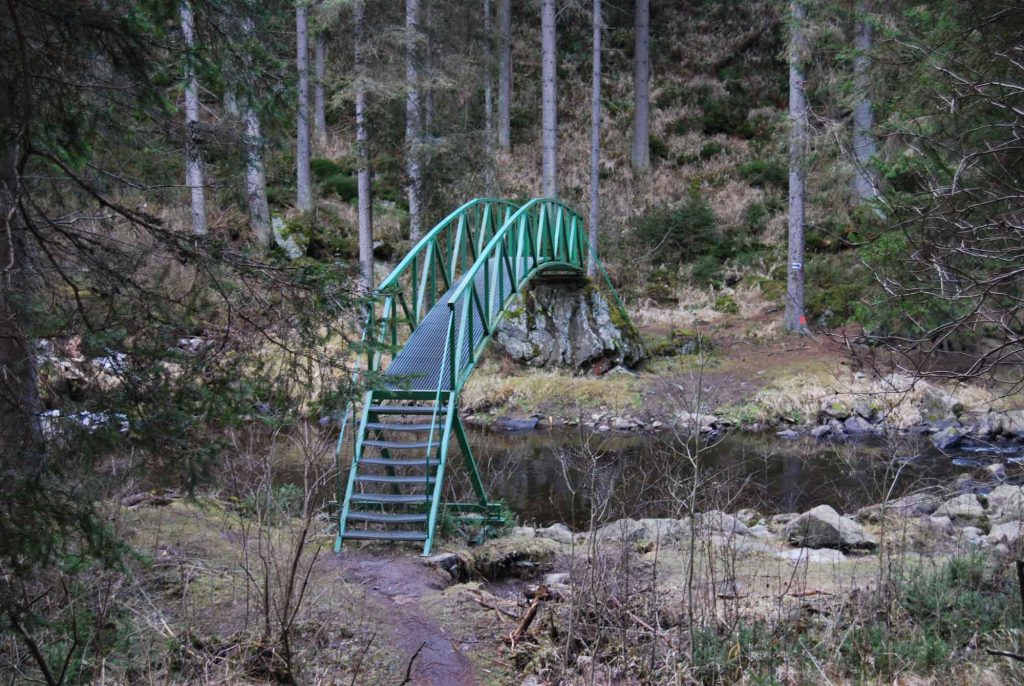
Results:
406 409
387 462
400 445
385 517
385 535
402 427
379 479
390 498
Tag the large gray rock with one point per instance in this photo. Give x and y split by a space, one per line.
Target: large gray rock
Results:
1007 534
962 508
946 438
1006 503
568 325
823 527
556 532
718 522
908 506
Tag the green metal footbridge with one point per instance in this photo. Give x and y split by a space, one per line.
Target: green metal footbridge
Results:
426 328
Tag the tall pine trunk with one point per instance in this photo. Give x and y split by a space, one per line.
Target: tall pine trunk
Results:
488 101
194 177
795 319
255 177
319 74
505 75
303 178
363 152
865 185
413 119
549 92
641 154
21 436
595 139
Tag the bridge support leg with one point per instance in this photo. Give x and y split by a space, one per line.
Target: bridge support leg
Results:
467 454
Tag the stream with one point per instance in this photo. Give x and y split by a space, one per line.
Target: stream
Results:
582 479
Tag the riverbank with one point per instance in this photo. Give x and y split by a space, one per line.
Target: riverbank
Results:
744 375
913 590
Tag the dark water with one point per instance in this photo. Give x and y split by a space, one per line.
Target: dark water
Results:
566 476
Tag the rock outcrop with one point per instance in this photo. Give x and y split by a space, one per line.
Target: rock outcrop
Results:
568 324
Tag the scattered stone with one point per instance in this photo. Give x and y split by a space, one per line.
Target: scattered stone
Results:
962 508
623 424
1006 503
742 544
871 410
656 424
1013 423
1007 533
556 532
706 422
857 425
524 531
604 427
778 522
749 517
716 521
812 555
946 438
823 527
821 432
834 408
528 424
996 470
761 531
972 535
453 564
914 504
787 434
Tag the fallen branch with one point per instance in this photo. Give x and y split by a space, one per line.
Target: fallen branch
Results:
489 606
539 596
1005 653
408 667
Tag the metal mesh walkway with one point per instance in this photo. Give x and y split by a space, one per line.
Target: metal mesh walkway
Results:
422 362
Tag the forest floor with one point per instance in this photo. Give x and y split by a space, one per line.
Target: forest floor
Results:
380 614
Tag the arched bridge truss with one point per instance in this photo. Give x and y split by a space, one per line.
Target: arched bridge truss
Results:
427 327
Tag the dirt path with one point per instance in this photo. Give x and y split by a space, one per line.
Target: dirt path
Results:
397 585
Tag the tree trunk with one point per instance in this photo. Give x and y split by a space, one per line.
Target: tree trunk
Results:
303 180
255 177
366 281
231 102
641 157
413 119
505 75
795 319
21 436
194 177
488 101
865 185
319 105
549 86
595 138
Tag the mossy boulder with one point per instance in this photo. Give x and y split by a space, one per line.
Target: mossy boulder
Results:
569 324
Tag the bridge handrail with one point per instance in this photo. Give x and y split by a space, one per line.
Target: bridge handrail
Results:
425 243
510 224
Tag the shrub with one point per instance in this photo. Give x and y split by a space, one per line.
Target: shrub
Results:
342 185
711 149
726 304
755 218
835 285
659 148
707 271
764 173
723 116
682 233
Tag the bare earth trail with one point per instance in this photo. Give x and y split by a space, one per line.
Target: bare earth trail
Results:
397 584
